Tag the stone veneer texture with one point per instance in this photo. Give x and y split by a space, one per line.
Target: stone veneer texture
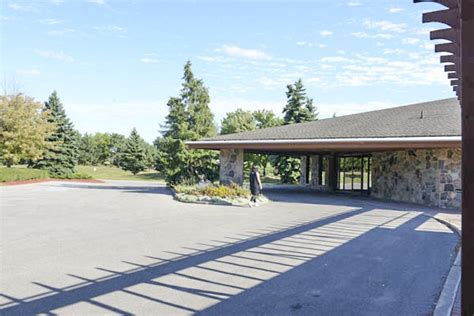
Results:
423 176
232 166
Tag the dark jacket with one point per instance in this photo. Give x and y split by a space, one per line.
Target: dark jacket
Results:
254 186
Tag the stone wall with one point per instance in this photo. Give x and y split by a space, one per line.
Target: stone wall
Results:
232 166
431 176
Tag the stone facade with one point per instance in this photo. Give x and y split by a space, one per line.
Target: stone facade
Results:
232 166
303 166
431 176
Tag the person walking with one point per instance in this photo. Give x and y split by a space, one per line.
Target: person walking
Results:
255 186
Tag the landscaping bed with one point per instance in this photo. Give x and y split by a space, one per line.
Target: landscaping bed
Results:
212 194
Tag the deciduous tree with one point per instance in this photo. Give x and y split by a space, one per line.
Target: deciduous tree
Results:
24 129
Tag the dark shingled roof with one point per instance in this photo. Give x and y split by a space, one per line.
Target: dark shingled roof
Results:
435 118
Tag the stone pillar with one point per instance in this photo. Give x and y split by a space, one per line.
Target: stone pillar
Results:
304 170
315 171
332 173
232 166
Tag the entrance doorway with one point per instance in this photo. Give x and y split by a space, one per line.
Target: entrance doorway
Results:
354 173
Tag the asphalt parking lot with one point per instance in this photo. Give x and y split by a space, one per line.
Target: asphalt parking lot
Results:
129 248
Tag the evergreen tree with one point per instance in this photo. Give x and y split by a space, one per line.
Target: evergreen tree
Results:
298 109
61 160
118 144
195 98
189 118
134 158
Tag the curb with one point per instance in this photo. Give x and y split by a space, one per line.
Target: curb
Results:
448 294
447 297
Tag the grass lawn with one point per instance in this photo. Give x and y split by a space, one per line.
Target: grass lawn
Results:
17 173
114 173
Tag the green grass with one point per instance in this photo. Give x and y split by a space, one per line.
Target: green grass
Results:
17 173
114 173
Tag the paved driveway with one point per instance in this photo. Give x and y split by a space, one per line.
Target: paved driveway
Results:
129 248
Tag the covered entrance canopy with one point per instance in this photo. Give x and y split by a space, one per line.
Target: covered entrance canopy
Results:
425 126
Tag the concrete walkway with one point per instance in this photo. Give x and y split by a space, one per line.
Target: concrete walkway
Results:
129 248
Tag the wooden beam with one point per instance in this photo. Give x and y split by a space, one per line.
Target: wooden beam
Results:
450 68
448 48
467 114
449 17
450 34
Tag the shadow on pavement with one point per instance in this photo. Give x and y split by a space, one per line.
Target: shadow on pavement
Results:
362 260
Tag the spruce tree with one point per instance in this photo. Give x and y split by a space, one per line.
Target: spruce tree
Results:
61 160
195 98
189 118
134 158
298 109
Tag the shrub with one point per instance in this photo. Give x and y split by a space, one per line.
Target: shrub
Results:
222 191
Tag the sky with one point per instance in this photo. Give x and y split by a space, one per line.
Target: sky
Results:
114 64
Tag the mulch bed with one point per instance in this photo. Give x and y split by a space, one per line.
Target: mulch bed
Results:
49 180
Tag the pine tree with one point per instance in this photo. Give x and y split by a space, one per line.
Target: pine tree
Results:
61 160
134 158
299 108
189 118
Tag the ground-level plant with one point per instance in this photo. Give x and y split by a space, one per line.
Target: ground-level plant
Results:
214 194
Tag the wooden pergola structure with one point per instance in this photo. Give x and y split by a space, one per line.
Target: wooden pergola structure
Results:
459 16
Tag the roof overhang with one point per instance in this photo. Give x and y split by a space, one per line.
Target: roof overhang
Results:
325 145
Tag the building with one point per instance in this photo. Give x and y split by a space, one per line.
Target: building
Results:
409 153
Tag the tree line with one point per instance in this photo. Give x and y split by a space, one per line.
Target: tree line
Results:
42 136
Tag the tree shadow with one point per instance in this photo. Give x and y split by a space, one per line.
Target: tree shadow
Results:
268 266
150 189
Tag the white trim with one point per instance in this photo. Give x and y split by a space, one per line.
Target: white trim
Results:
433 139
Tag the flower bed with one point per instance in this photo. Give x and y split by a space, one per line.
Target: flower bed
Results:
212 194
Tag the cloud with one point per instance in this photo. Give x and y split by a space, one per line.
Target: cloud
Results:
57 2
50 21
395 10
308 44
55 55
15 7
354 3
366 35
326 110
28 72
325 33
148 60
60 32
97 2
335 59
236 51
111 30
410 41
386 26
